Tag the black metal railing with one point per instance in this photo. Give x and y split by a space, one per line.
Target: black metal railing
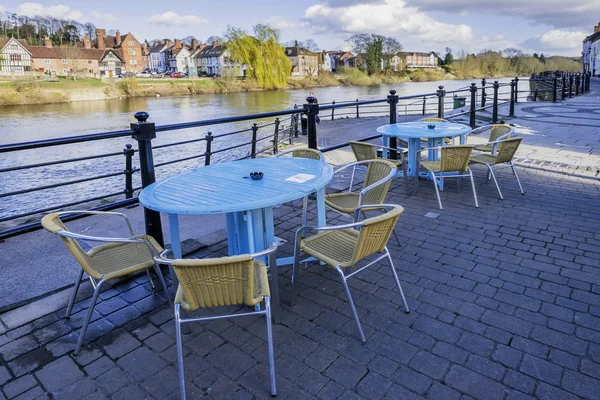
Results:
268 131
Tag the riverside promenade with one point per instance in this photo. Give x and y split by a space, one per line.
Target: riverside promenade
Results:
504 298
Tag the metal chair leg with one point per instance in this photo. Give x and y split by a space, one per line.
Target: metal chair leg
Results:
352 178
406 309
491 172
88 316
437 191
151 281
270 347
74 295
405 172
295 267
305 211
349 296
514 169
473 186
179 346
161 278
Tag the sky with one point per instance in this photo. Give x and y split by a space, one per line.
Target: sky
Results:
552 27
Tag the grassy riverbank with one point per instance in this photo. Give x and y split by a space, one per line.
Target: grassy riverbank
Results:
65 90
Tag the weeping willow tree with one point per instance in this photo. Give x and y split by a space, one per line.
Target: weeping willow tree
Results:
264 57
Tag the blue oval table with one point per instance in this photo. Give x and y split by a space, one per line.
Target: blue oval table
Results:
412 132
248 204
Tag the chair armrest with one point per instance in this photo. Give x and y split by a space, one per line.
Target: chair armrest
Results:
429 148
102 239
479 130
100 213
161 258
284 153
300 230
351 165
265 252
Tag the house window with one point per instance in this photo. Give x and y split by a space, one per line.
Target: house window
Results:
131 44
65 61
46 61
89 61
133 62
132 52
65 70
15 57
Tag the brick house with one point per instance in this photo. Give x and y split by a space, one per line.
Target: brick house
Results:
420 60
127 47
304 61
16 57
79 60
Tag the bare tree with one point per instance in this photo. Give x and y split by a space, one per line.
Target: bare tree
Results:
391 47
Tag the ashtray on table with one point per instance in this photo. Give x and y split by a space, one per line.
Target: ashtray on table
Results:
256 176
431 126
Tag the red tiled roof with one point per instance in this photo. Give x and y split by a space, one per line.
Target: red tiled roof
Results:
72 53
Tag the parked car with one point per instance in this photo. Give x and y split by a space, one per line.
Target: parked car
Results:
175 75
144 75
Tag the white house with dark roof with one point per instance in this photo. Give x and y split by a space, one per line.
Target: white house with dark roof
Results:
15 57
214 60
158 57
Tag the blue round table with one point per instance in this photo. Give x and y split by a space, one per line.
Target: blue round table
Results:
412 132
248 204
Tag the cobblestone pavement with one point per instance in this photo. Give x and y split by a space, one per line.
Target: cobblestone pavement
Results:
505 304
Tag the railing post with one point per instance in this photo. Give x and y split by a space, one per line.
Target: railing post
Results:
128 152
357 114
254 133
577 81
588 81
209 138
424 104
332 110
582 83
483 94
516 89
535 94
554 88
511 111
496 86
440 94
392 100
144 132
564 87
296 121
473 90
276 137
570 85
312 110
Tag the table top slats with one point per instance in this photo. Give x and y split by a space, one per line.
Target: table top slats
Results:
418 130
226 187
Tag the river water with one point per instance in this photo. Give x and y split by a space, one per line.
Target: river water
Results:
28 123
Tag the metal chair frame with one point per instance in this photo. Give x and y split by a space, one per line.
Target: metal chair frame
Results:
481 129
400 151
490 172
97 285
437 181
345 277
161 259
321 156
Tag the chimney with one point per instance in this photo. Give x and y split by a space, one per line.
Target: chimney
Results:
177 43
215 43
118 38
100 33
194 44
597 28
47 42
86 43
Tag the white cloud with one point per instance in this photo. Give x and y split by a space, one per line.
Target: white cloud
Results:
388 17
103 15
278 22
59 11
557 41
170 18
556 13
2 8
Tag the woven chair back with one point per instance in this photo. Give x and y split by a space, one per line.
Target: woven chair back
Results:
499 130
377 170
375 234
363 151
308 153
507 150
221 281
455 158
431 119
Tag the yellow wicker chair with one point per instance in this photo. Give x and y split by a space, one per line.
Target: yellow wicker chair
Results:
505 153
496 132
215 282
432 119
303 153
116 258
344 246
453 163
367 151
